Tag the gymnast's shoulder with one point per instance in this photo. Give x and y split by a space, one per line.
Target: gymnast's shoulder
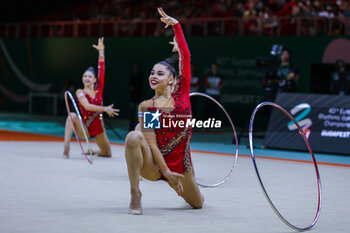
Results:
144 105
79 93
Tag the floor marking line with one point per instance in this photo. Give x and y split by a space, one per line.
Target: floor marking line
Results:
7 135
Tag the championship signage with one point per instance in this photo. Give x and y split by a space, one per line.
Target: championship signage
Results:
325 120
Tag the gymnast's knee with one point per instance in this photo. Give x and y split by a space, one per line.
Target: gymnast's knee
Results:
198 204
133 139
72 115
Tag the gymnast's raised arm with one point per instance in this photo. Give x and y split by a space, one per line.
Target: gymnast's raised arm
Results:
181 47
100 47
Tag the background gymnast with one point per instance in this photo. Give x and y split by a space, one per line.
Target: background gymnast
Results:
90 101
164 154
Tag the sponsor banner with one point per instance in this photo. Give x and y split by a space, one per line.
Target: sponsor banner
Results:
325 120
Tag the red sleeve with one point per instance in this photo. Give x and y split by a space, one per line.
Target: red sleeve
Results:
101 78
185 60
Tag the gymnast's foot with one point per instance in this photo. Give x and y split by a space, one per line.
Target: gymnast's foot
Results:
135 203
106 154
66 153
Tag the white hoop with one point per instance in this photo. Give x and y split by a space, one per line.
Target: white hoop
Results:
88 154
251 124
236 140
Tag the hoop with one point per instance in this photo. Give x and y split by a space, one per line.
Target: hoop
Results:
258 175
236 140
88 154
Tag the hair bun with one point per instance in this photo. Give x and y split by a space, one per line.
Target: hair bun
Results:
92 70
172 60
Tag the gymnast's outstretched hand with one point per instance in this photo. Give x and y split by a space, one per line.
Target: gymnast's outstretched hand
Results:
166 18
112 112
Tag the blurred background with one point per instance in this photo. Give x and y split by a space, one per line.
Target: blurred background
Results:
258 49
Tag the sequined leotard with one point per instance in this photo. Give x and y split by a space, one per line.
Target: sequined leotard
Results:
174 142
93 120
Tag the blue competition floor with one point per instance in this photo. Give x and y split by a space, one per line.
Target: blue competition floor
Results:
55 126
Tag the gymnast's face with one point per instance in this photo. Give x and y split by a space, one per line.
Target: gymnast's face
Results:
160 77
89 78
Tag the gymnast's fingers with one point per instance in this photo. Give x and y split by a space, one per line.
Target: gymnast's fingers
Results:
178 175
180 188
161 12
164 20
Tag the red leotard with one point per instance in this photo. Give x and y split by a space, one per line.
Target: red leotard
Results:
94 120
174 143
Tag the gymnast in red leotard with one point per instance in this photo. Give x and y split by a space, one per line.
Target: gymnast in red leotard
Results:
164 153
90 101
